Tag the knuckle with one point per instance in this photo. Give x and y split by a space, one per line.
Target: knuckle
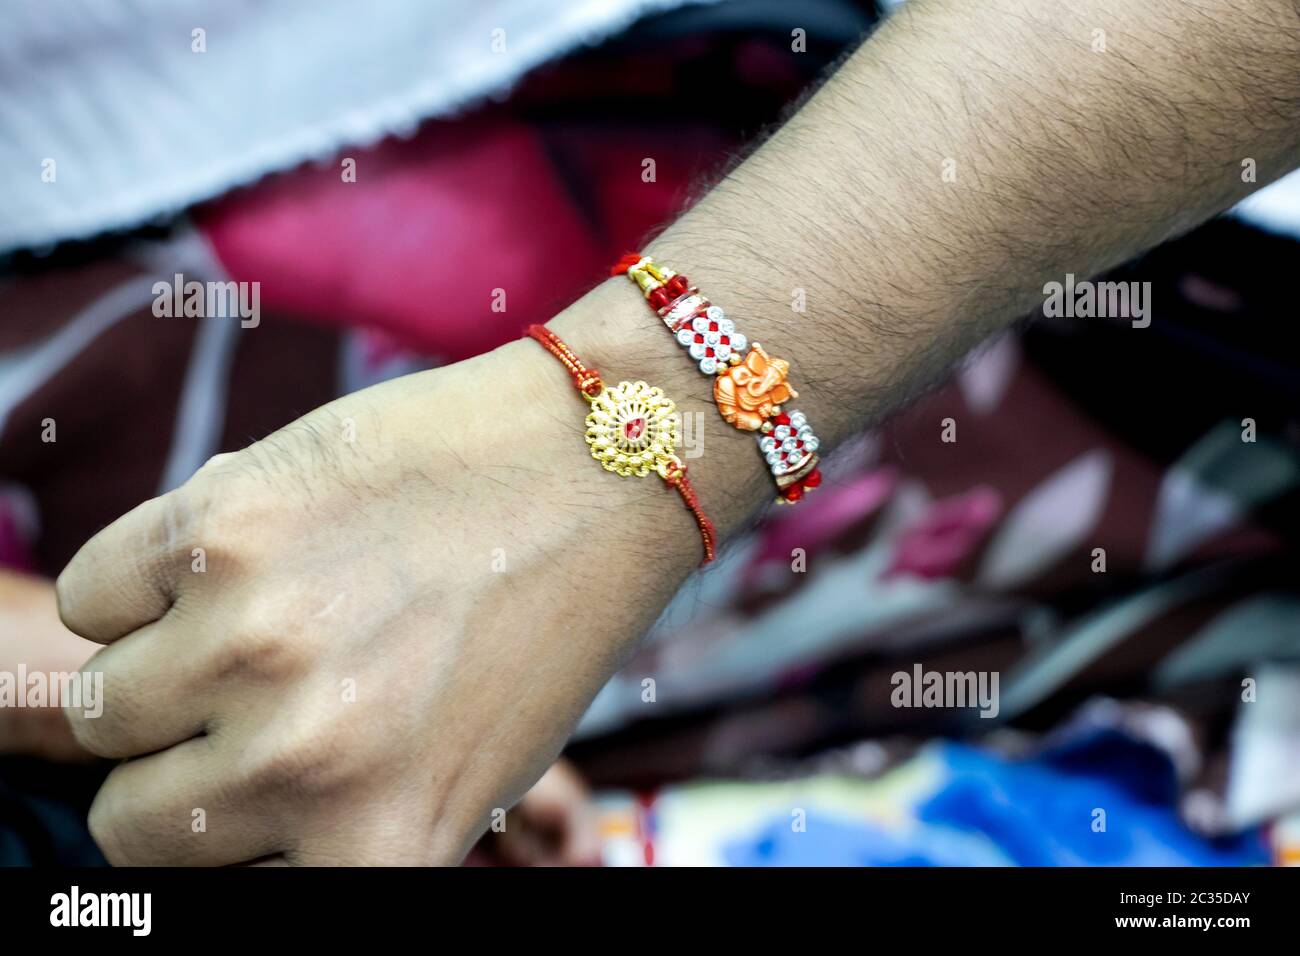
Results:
221 543
262 654
223 463
223 522
314 762
270 642
155 560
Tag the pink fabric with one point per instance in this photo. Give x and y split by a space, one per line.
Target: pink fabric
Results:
419 245
947 535
815 523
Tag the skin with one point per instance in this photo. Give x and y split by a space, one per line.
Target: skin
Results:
555 823
370 561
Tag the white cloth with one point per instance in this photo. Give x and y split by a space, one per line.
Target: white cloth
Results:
138 124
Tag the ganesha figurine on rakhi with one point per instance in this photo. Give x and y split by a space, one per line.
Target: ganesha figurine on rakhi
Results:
750 390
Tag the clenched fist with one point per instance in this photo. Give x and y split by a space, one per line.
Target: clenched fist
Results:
352 641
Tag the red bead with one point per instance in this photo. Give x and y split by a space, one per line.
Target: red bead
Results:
713 326
677 285
725 339
782 419
699 338
708 353
793 493
659 298
814 479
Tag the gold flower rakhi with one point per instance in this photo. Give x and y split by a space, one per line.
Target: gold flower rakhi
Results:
632 430
749 389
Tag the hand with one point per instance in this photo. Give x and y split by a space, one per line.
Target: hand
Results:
553 825
309 652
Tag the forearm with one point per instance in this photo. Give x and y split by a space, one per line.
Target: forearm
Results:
1058 158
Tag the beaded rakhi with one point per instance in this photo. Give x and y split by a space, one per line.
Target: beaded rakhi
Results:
749 388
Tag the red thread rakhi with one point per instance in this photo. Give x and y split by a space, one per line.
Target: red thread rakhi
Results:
632 430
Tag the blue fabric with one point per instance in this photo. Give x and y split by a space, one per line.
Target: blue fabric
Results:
1036 812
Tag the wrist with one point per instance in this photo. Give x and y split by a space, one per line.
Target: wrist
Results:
532 429
614 331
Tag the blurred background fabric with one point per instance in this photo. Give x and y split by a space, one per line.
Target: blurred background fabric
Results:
1164 689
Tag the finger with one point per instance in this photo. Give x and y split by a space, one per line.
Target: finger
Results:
521 846
582 843
123 577
166 810
560 806
141 694
567 833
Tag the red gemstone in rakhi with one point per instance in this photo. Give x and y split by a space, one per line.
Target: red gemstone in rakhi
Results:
814 479
793 493
782 419
708 353
699 338
677 285
659 298
634 428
